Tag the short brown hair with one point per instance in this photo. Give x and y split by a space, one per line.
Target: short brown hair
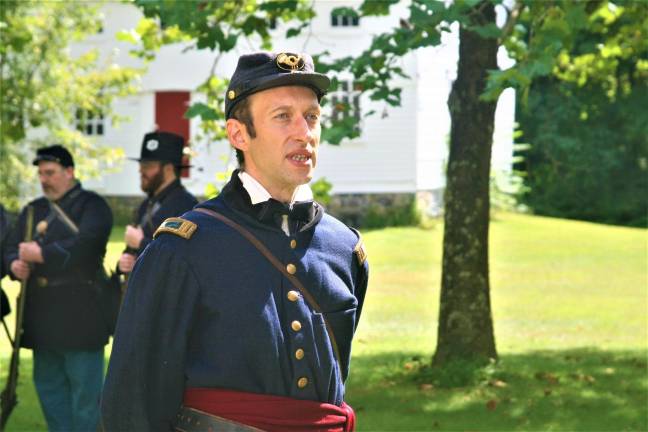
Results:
242 113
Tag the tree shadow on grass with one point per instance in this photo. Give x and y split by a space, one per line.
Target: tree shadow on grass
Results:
571 390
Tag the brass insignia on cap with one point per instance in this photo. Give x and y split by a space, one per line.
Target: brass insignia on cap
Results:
178 226
231 94
360 252
290 62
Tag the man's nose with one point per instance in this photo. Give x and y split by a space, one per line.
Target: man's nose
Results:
302 129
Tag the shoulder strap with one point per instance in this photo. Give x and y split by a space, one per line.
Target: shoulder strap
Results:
63 217
278 265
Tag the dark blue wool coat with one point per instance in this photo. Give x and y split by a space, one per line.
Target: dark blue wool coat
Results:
62 303
211 311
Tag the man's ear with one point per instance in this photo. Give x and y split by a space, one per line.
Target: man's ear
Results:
237 134
69 172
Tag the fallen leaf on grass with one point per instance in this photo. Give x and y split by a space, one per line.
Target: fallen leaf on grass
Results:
609 371
491 405
497 383
582 377
589 379
426 387
547 376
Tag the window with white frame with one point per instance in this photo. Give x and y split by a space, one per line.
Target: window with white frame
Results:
344 17
345 102
88 122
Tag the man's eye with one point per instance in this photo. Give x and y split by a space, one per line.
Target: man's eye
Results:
282 116
312 117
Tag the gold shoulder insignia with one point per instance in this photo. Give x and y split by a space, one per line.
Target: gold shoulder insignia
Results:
178 226
360 251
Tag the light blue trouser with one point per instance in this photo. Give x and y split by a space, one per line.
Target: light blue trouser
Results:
69 387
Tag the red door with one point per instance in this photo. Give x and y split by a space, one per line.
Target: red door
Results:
170 107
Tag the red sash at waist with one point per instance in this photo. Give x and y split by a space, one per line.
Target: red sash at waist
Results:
271 413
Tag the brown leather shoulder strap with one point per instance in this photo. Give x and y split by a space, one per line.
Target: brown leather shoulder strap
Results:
278 265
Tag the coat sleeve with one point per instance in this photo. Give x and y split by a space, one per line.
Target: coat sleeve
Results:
360 291
145 381
94 230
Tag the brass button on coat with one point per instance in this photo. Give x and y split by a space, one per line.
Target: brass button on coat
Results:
293 296
290 268
299 354
293 244
302 382
296 325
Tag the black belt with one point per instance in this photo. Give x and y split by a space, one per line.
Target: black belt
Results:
193 420
43 281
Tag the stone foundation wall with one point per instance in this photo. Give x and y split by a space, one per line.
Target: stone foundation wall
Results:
356 210
374 210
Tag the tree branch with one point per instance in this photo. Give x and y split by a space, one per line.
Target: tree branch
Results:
511 20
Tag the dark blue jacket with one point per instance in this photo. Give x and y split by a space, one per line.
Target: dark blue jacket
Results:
61 307
174 200
211 311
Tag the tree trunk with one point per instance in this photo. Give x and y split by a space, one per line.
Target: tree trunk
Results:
465 322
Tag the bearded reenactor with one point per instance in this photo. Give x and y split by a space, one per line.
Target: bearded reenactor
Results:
63 323
160 163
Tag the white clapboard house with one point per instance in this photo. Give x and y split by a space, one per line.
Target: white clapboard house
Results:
401 151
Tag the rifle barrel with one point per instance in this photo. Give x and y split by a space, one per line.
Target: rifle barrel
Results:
8 398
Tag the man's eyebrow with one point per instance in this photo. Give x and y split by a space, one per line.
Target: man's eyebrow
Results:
281 108
313 107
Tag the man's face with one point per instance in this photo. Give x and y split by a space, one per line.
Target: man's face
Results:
283 155
55 180
151 176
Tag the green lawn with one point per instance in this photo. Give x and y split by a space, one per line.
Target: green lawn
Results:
570 310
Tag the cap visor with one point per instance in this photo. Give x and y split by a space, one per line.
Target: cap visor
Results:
318 82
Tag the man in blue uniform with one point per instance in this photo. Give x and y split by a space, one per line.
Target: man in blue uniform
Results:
63 323
240 314
160 163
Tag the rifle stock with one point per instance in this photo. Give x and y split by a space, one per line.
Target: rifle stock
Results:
8 398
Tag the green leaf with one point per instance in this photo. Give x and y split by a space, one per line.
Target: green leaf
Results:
376 7
278 6
201 110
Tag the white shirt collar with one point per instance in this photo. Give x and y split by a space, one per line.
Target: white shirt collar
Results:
259 194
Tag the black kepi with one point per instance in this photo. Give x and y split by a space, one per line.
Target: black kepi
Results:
163 147
54 153
263 70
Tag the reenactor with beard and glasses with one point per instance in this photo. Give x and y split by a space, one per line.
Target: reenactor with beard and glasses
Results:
160 163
